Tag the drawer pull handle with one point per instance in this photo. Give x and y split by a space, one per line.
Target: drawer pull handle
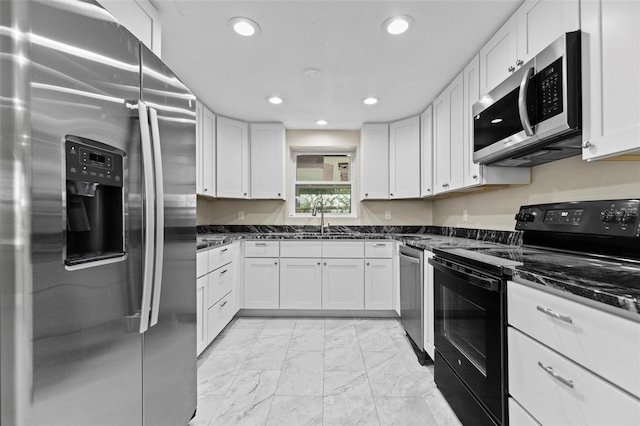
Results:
225 302
223 250
555 375
224 272
261 244
380 245
555 315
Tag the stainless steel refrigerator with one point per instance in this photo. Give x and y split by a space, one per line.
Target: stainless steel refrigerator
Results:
97 223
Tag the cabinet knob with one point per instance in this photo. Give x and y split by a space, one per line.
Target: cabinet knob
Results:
278 194
391 195
275 263
519 63
587 144
428 190
325 263
319 263
511 68
366 195
205 190
475 176
368 264
245 194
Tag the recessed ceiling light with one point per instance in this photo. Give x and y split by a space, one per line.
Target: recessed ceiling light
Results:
397 24
244 26
322 122
370 100
276 100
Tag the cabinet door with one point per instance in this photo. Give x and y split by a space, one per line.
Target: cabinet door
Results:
261 283
343 284
426 152
498 57
611 87
540 22
448 114
199 148
471 171
232 148
208 134
378 284
139 17
201 311
374 161
404 158
267 161
300 284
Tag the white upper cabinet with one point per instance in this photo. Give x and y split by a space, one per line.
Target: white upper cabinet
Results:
232 149
448 117
611 92
267 160
533 27
205 151
374 161
404 158
139 17
426 152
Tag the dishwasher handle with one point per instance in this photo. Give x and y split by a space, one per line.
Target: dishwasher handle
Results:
468 274
410 258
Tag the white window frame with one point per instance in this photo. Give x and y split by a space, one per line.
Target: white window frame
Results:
352 157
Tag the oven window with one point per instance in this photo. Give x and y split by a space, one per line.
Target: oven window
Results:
464 325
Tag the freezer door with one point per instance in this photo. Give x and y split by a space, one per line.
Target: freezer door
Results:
169 386
87 352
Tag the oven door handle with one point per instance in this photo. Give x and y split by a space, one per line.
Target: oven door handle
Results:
485 282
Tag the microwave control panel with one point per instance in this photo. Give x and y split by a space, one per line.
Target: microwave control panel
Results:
550 89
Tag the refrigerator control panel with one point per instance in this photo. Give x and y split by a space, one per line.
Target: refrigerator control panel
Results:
87 162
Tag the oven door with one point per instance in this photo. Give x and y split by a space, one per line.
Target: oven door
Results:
470 331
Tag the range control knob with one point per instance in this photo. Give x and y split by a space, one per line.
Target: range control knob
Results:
629 216
525 217
609 216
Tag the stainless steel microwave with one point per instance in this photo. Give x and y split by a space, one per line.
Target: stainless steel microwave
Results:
535 115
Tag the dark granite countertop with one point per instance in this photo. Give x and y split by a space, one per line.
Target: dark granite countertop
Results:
592 280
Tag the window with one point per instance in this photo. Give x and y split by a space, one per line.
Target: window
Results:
323 178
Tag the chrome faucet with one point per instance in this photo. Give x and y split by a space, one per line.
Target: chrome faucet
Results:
316 204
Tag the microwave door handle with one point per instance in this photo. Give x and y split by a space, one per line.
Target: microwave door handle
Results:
159 235
522 103
149 216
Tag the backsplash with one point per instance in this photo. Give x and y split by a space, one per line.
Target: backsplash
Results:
489 235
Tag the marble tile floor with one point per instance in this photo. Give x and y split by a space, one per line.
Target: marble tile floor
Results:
316 371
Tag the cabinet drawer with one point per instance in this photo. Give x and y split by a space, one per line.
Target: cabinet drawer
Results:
557 391
343 249
202 263
219 315
220 256
587 339
300 249
220 283
378 249
262 248
518 416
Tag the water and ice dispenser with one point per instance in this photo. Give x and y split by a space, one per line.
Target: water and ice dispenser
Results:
95 201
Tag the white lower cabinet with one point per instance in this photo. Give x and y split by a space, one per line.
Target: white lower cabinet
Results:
569 363
300 283
219 315
429 310
201 310
378 284
557 391
518 415
261 283
215 285
343 284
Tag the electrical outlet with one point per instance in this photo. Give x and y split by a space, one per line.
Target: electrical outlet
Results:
387 214
240 215
464 215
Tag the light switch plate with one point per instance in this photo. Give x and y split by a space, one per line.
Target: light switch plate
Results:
387 214
240 215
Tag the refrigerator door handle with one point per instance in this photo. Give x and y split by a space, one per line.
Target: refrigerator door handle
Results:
159 255
149 214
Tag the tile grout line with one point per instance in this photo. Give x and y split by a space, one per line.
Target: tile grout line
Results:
367 373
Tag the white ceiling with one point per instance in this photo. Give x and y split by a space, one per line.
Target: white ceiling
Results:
233 75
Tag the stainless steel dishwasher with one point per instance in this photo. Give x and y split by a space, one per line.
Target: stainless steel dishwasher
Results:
412 298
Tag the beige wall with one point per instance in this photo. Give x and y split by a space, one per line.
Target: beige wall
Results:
571 179
276 212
